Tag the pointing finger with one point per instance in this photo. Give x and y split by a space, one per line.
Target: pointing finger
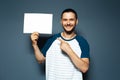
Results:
61 40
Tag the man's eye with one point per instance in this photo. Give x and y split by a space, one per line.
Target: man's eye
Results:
71 19
64 19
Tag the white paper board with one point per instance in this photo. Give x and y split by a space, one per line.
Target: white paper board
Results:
38 22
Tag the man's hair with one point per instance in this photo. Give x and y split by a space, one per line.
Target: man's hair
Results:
69 10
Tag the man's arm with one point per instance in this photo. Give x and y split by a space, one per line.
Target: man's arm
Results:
39 56
81 63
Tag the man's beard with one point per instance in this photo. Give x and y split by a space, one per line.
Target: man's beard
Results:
69 32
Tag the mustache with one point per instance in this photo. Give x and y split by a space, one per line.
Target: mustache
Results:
68 24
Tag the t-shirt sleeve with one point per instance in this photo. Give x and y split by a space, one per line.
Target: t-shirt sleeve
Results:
48 44
84 47
46 47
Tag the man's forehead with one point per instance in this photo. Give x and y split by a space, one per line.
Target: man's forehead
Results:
68 14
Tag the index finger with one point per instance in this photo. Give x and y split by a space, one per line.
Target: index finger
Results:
61 40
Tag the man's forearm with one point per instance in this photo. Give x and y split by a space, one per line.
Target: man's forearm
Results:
81 63
39 56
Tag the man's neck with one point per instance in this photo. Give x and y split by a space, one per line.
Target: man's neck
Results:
68 36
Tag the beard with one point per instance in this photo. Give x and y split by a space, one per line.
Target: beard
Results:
71 31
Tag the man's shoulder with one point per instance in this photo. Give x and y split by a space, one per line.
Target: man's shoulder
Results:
80 37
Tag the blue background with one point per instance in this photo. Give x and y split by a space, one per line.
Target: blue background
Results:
99 23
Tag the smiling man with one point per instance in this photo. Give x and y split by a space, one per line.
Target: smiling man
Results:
66 54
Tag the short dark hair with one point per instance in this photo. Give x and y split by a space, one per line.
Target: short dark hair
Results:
70 10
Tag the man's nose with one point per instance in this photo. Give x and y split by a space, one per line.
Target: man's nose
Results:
68 22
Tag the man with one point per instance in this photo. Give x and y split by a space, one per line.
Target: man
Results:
66 54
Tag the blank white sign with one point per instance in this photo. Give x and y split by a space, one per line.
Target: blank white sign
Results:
38 22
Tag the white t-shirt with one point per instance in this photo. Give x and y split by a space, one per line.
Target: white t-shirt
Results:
58 64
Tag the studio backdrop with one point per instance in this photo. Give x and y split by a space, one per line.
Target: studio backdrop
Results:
99 23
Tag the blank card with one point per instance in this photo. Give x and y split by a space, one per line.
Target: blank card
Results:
38 22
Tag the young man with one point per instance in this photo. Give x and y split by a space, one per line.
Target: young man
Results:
66 54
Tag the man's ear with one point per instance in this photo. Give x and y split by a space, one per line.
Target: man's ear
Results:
77 22
61 21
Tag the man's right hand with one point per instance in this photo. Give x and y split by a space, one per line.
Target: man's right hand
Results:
34 38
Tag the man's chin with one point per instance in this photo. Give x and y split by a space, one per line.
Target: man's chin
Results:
69 32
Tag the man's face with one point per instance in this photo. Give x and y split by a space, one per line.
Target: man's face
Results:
69 21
